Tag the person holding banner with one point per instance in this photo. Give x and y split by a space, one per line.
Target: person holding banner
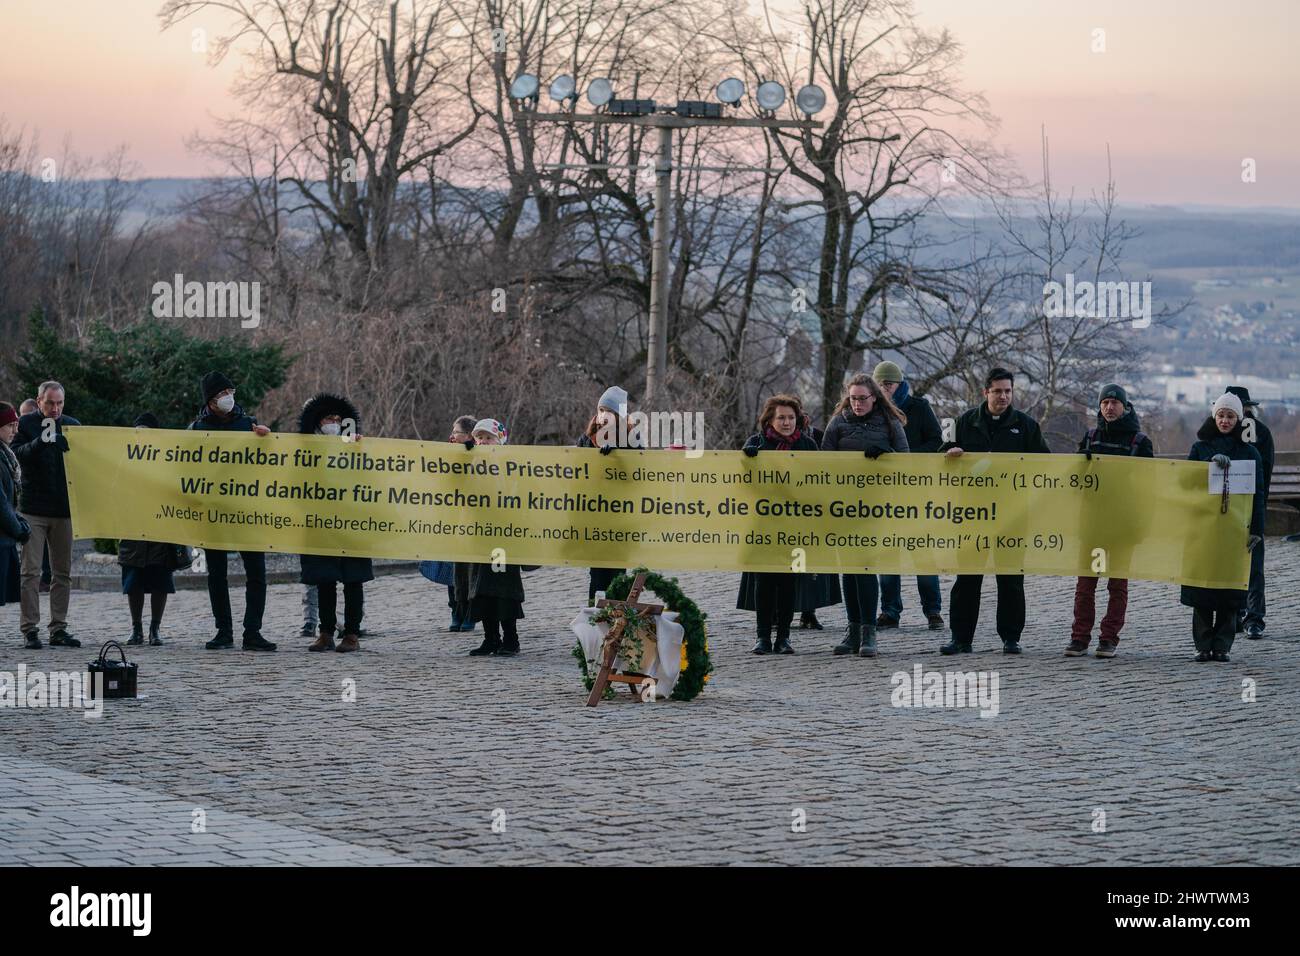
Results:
1117 432
773 596
607 430
14 530
1214 610
221 413
495 597
923 435
327 414
147 568
866 420
992 426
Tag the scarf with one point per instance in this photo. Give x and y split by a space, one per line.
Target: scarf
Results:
782 443
9 460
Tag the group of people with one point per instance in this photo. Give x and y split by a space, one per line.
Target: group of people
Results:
877 415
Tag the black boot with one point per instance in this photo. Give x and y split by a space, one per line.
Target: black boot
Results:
63 639
256 642
764 643
32 641
868 647
510 644
137 635
852 641
956 646
491 640
154 639
783 639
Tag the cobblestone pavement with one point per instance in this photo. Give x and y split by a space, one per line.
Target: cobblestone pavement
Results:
438 747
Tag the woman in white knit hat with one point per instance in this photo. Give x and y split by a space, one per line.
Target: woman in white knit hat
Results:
607 431
1214 610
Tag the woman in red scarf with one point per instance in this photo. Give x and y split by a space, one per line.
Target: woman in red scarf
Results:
773 596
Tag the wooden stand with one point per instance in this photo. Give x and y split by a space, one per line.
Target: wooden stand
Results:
609 649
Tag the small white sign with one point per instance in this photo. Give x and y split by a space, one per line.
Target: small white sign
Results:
1241 478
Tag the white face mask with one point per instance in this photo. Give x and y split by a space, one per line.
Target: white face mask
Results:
331 428
226 402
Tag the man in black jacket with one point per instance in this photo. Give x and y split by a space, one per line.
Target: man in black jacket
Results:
43 501
994 426
923 434
220 413
1117 432
1251 617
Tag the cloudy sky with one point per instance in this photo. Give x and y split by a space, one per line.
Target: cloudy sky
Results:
1185 90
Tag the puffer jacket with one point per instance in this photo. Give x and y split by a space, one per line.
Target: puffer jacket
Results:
849 432
323 568
44 489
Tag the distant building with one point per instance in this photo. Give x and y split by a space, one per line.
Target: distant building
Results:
1199 387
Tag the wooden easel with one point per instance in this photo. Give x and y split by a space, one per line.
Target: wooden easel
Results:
609 649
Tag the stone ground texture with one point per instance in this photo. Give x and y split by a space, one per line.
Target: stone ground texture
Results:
437 746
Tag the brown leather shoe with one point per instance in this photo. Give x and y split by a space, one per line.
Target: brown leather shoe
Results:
323 643
348 643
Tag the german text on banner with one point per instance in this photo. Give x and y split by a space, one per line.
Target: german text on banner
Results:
1118 517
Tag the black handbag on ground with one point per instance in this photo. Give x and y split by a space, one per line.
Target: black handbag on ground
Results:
117 679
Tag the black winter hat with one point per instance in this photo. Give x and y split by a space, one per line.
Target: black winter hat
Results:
1113 391
1242 393
212 384
146 420
323 404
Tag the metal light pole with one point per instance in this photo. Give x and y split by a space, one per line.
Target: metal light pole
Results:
667 123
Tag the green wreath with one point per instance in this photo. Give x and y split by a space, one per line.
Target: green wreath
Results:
695 643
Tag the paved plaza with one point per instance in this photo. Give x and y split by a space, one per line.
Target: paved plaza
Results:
1148 758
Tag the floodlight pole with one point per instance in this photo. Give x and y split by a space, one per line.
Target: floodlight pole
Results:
656 370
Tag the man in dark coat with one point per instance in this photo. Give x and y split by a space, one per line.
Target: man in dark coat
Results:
1251 617
43 503
993 426
1215 609
923 434
1117 432
327 414
221 413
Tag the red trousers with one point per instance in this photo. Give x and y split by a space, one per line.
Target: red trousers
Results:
1085 609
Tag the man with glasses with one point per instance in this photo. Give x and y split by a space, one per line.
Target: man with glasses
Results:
994 426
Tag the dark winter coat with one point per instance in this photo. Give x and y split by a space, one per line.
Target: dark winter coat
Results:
11 524
44 489
812 591
325 568
143 554
1117 437
1212 442
1015 433
849 432
236 421
1264 445
922 428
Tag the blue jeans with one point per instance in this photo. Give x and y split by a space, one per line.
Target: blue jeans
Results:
891 594
860 592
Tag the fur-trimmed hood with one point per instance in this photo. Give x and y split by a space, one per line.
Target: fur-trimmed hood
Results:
323 404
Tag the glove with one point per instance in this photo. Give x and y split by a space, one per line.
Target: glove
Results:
24 531
875 451
1253 542
751 451
469 444
606 449
1222 461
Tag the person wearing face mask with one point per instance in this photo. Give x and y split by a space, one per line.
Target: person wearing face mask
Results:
992 426
14 530
495 597
774 596
333 415
1214 610
607 431
220 412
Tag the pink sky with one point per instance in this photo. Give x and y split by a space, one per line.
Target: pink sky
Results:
1184 92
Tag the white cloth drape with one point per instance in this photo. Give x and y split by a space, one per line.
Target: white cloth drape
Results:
662 658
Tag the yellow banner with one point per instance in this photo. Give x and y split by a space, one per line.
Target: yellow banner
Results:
1151 519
